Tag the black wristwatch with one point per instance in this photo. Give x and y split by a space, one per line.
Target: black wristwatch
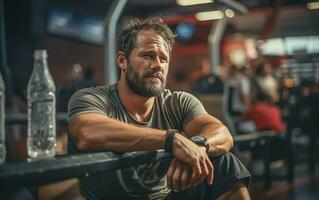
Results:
200 140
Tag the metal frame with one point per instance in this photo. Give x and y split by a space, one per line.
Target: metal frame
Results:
234 5
22 118
33 173
214 38
111 21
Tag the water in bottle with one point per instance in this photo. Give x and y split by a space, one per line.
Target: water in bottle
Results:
2 123
41 140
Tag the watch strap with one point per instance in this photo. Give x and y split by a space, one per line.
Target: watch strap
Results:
168 147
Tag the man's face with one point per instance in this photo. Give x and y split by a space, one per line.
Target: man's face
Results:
147 65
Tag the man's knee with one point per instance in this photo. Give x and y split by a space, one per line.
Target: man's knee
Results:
229 171
238 191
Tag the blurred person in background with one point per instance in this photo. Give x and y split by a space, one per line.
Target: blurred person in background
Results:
240 90
82 78
79 79
264 79
202 70
264 114
238 81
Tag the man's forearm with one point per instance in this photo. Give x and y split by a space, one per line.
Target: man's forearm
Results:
95 132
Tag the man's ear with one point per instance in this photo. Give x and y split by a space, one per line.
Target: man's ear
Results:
121 60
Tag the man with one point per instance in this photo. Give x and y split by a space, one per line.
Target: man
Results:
137 114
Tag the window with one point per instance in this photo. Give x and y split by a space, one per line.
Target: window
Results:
291 45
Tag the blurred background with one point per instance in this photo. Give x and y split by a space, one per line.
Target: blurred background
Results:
266 52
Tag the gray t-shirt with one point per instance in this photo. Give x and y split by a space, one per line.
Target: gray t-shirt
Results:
172 110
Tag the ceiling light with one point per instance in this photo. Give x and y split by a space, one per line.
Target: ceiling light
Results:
313 5
211 15
229 13
192 2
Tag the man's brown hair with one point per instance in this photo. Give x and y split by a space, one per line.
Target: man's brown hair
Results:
127 37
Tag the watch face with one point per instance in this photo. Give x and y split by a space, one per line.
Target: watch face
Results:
199 138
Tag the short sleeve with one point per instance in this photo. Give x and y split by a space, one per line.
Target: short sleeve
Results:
191 107
88 100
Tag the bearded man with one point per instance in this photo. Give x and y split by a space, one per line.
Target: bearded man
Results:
139 114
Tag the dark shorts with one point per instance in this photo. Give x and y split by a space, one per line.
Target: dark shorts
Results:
227 170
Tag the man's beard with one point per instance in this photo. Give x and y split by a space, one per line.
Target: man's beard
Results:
138 85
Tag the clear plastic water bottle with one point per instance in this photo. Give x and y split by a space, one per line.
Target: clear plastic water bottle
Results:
2 123
41 140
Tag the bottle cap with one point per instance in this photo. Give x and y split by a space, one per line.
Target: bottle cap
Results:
40 53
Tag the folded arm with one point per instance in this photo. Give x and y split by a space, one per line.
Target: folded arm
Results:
96 132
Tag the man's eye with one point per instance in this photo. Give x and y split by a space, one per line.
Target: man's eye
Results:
148 56
163 60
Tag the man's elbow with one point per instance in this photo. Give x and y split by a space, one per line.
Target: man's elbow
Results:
81 138
82 143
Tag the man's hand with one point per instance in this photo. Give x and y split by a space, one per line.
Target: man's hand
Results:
178 176
186 151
